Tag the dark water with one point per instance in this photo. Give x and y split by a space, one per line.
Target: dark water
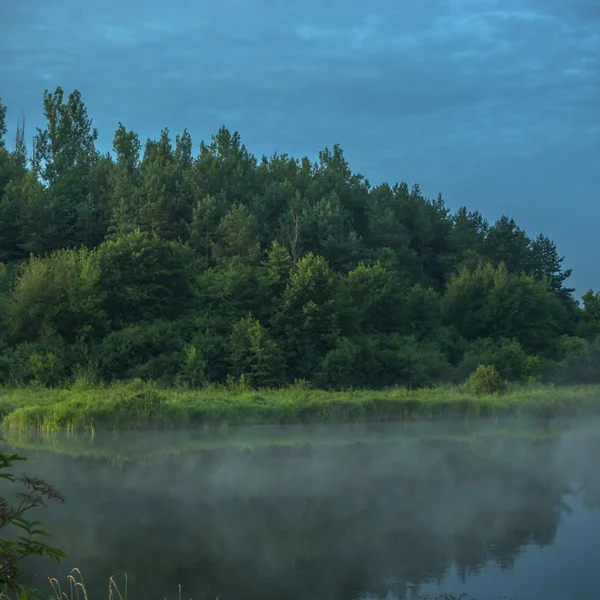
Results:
409 510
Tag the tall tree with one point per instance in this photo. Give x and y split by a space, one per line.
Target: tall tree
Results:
144 277
467 239
238 237
308 316
2 124
64 153
506 242
254 355
372 296
225 165
589 325
547 263
67 143
206 217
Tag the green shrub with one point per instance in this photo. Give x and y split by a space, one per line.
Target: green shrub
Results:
485 380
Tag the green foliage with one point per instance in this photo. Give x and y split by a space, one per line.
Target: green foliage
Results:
254 355
308 317
581 362
300 263
206 216
373 299
485 380
192 371
507 356
13 551
136 404
143 277
2 124
143 350
45 362
589 326
237 233
46 369
58 294
489 302
339 366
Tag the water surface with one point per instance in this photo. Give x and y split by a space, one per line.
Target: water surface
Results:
355 512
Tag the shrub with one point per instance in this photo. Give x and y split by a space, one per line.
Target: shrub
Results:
485 380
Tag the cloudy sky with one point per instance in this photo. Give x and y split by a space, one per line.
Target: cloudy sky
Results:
495 103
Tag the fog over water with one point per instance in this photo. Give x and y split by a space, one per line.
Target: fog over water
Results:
393 511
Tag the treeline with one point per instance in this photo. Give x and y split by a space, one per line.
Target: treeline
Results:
152 262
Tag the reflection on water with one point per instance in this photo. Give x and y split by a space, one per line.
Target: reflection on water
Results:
406 510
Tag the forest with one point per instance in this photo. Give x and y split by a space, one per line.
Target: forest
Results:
158 263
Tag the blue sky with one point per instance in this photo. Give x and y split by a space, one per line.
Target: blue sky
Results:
495 103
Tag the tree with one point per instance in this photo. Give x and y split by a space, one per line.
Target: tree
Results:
273 278
349 281
206 217
332 175
340 367
225 165
467 238
326 229
58 294
63 156
162 210
2 124
429 224
490 302
384 230
373 300
589 325
238 239
308 317
254 355
67 143
422 312
126 145
547 263
506 242
144 277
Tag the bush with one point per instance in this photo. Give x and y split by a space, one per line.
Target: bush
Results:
45 363
507 356
485 380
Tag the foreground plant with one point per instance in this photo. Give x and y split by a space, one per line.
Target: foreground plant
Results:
35 492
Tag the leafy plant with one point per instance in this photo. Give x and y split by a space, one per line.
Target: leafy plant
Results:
485 380
35 493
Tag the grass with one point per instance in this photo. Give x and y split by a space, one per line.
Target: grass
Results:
139 405
78 591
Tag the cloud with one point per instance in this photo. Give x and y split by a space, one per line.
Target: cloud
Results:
468 96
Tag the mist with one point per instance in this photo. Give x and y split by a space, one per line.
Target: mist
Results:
362 512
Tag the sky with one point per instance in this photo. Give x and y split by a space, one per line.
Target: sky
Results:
494 103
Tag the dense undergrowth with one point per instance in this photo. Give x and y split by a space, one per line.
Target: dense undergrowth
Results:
137 405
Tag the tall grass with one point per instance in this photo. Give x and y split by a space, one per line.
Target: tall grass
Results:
145 405
78 591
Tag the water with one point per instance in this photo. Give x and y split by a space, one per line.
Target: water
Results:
408 509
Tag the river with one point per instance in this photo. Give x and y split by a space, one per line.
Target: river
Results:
356 512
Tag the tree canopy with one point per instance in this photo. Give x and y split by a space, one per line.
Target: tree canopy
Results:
153 262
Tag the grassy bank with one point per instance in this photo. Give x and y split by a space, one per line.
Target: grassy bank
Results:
137 405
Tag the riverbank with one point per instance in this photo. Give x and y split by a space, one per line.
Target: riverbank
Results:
138 405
